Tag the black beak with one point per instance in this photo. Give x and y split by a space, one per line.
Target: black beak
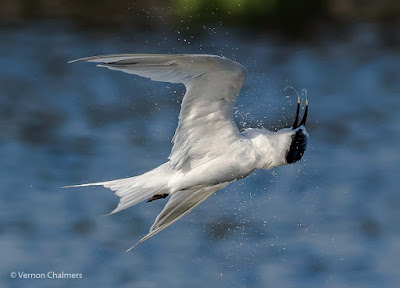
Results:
303 121
297 114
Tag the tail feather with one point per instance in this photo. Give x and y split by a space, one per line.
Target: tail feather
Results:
85 185
136 189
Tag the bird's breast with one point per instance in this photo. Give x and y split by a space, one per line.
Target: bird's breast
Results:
235 164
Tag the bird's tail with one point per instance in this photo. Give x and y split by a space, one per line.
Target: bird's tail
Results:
137 189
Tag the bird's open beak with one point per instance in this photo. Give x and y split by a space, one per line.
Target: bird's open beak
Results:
296 120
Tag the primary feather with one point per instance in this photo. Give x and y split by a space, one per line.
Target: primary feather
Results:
212 84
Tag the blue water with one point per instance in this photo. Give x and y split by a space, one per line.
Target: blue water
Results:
331 220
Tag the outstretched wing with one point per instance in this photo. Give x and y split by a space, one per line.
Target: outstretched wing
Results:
178 205
212 83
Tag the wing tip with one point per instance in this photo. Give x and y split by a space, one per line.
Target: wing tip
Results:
137 243
103 58
131 248
88 59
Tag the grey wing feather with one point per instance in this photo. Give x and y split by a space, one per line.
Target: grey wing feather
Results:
179 205
206 118
162 67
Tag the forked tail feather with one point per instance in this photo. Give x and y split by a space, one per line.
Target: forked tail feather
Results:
136 189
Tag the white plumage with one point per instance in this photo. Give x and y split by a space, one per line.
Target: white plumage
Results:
209 152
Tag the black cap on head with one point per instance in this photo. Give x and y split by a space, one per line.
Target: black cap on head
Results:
297 147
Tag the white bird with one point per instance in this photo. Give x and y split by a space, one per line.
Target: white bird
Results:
208 150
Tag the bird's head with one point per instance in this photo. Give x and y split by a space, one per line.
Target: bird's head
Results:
283 147
299 137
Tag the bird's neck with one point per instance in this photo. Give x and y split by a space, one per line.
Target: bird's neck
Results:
270 147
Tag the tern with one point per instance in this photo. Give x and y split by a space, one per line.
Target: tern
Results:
209 151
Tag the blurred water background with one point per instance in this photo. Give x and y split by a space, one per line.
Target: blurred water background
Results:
331 220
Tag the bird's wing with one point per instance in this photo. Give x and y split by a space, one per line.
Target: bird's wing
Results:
206 125
178 205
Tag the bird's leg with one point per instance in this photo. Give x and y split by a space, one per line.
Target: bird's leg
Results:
157 196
